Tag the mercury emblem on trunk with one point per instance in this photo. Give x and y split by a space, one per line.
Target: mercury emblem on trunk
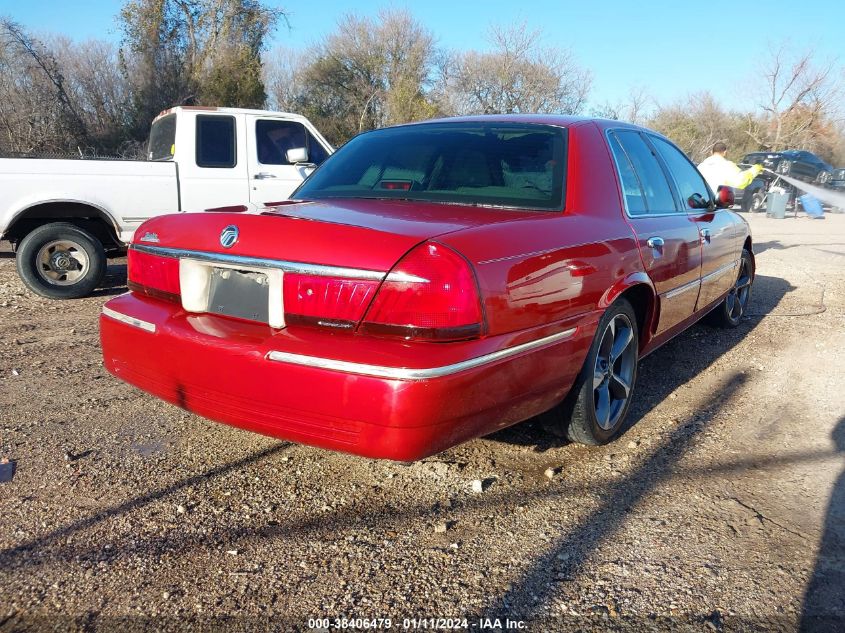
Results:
229 236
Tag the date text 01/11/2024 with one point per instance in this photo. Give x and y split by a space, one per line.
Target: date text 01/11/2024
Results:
484 624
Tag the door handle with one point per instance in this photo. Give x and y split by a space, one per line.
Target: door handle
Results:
264 175
656 243
705 235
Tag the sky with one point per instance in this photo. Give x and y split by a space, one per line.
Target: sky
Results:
668 49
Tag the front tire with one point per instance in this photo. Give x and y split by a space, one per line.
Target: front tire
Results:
594 411
729 313
61 261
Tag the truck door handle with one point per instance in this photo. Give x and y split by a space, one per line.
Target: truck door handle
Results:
705 235
264 175
656 243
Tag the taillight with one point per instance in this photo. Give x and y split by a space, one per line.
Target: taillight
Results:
327 301
431 294
153 275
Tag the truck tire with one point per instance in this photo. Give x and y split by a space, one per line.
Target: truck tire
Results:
61 261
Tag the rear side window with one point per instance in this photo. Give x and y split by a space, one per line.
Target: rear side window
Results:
658 195
687 178
634 198
162 139
216 141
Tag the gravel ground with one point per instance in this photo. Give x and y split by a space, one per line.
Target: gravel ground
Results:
721 508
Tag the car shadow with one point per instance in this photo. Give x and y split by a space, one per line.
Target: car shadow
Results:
114 282
666 369
823 608
777 245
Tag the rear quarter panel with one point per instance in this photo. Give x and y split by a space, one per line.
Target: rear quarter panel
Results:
559 266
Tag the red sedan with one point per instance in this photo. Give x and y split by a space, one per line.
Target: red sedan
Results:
435 282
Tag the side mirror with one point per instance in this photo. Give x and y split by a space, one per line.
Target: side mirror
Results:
724 197
697 201
297 155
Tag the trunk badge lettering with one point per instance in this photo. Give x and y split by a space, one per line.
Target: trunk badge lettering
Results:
150 237
229 236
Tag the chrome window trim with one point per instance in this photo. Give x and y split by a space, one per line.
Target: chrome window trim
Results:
287 266
128 320
405 373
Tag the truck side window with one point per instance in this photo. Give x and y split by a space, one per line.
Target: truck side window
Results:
274 138
216 141
316 152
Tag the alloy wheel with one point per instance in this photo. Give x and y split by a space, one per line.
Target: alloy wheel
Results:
737 299
613 374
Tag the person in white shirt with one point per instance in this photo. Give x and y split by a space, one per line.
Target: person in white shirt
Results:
719 171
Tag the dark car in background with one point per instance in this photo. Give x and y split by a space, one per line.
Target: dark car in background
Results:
837 179
797 163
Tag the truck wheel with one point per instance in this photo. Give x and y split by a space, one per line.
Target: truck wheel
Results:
61 261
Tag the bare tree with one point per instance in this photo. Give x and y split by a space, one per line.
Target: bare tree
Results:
368 73
635 109
284 70
697 122
518 75
35 106
795 93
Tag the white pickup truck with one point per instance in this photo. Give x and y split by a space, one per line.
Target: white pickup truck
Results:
65 217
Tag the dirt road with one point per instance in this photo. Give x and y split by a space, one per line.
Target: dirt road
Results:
723 505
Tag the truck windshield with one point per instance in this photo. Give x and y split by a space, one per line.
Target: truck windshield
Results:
499 164
162 139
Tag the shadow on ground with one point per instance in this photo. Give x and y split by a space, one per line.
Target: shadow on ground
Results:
824 602
675 364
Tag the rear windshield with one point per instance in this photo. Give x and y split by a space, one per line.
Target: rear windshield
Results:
162 139
498 164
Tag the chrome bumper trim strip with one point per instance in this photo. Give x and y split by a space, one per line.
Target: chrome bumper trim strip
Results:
259 262
405 373
123 318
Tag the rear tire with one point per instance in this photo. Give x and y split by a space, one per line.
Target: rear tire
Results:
61 261
728 314
594 411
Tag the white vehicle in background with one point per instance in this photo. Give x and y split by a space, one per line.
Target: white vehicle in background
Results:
65 217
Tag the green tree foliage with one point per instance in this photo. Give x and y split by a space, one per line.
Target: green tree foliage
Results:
193 51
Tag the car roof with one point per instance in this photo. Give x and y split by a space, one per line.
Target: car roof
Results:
559 120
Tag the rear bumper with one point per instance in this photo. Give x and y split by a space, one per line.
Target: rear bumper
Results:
376 398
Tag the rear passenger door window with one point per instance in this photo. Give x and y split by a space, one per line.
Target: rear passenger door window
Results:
631 189
687 179
216 141
655 187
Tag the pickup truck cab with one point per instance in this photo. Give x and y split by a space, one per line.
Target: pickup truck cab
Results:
65 217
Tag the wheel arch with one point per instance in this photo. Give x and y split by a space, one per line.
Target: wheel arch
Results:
748 246
86 215
638 290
